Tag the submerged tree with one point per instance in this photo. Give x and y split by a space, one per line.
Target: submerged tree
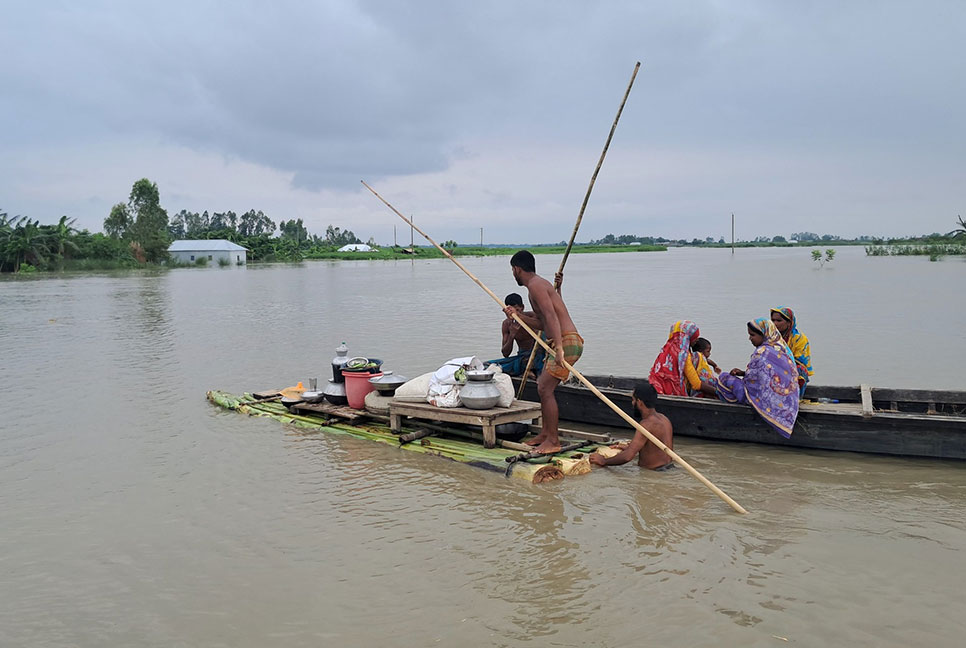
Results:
817 256
959 232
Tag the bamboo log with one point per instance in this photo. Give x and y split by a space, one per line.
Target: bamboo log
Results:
412 436
566 365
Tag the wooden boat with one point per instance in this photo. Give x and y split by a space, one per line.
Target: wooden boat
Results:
451 442
905 422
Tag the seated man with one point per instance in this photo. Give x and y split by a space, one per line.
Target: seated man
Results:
515 365
644 400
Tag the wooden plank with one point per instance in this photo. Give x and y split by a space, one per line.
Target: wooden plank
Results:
268 393
920 395
342 412
866 392
576 434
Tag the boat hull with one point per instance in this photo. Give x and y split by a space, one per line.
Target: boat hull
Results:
842 426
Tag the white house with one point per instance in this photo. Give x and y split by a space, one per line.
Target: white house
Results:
357 247
213 251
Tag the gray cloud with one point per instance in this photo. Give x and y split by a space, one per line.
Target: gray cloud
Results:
332 92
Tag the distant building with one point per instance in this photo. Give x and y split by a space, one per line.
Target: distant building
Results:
357 247
211 250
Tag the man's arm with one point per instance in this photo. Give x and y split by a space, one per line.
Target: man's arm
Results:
530 319
507 347
633 448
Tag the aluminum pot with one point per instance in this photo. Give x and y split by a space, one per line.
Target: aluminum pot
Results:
479 392
387 383
334 392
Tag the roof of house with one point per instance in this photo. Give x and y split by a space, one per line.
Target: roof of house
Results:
356 247
205 245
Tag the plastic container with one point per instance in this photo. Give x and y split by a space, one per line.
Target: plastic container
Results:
357 385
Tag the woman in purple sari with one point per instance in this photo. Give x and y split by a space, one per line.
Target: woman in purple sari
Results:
770 383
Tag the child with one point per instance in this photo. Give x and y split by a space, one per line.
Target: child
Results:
703 363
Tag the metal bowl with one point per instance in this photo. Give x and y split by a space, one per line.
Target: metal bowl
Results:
371 365
479 375
313 396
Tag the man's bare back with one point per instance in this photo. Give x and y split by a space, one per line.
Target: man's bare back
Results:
652 457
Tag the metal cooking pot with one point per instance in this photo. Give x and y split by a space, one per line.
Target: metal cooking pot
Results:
387 383
335 393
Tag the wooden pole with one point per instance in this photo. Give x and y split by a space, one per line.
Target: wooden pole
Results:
640 428
732 233
580 215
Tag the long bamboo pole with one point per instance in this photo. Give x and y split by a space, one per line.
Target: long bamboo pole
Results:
580 216
653 439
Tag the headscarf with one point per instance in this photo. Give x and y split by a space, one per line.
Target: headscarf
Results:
770 382
767 328
667 374
797 342
787 313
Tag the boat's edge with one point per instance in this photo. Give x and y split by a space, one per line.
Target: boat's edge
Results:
819 427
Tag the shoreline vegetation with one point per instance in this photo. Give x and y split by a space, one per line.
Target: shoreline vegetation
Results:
137 235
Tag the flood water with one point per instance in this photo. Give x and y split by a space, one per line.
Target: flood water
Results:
133 513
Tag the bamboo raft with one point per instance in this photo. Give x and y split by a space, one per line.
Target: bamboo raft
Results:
452 443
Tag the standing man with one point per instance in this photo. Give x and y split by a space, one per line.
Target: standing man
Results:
644 402
549 314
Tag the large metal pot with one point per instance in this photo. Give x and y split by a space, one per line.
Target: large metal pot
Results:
479 392
335 393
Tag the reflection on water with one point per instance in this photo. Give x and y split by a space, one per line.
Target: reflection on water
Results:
136 514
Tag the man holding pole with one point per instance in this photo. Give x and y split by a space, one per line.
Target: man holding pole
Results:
549 314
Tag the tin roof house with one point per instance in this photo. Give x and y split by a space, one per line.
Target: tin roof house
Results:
220 251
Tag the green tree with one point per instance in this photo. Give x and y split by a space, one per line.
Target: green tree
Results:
293 230
60 238
177 227
118 222
26 243
254 223
150 227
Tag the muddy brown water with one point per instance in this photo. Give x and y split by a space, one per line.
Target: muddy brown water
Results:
136 514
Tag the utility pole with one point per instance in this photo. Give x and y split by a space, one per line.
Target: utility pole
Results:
481 237
732 233
394 236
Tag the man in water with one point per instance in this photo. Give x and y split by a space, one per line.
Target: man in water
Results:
644 400
550 315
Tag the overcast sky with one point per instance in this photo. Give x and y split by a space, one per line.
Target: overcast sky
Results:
831 117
